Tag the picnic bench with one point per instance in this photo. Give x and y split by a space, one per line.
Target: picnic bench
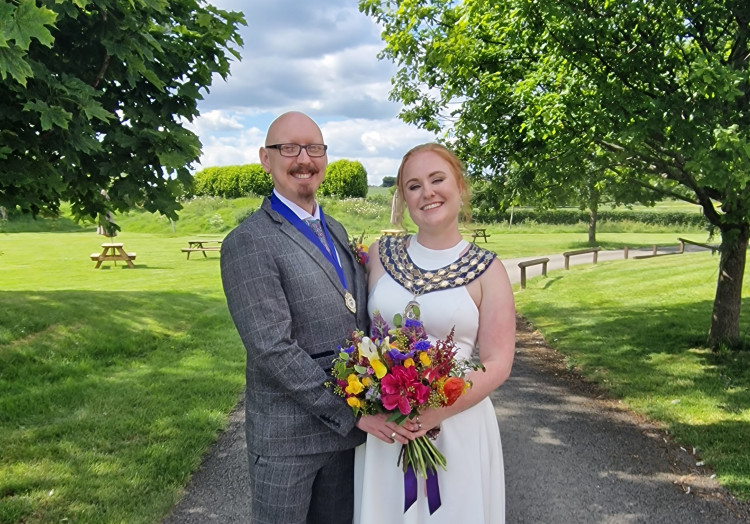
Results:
478 232
201 246
568 254
526 263
112 252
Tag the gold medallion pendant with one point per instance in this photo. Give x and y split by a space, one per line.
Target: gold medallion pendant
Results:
351 304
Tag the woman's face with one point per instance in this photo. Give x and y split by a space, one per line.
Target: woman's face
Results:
431 191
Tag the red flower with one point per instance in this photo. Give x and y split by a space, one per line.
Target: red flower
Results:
400 388
453 388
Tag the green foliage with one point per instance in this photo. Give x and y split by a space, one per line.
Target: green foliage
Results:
95 95
676 219
346 179
388 181
233 181
589 100
254 179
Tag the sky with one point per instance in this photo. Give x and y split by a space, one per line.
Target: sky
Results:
316 57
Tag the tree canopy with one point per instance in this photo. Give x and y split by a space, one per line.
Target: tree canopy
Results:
94 97
528 89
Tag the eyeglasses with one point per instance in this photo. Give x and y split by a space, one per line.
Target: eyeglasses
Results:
313 150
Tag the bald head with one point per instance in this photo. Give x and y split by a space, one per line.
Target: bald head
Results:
293 124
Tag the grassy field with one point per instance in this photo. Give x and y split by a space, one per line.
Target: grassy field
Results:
638 330
113 382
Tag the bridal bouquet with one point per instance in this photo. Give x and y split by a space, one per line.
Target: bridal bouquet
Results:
399 371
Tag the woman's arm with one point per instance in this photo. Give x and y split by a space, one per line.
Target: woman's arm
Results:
496 339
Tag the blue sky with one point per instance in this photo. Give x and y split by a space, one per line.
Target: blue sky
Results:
315 57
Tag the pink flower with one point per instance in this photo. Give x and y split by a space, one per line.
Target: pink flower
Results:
400 388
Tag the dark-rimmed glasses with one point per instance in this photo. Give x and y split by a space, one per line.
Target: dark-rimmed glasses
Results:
313 150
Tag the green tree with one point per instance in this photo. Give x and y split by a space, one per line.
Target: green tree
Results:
345 179
388 181
95 94
660 88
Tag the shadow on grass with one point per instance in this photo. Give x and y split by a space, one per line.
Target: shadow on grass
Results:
109 400
656 360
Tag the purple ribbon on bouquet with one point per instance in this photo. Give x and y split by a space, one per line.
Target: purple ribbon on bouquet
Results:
410 489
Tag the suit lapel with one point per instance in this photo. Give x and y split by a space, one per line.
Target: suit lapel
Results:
308 247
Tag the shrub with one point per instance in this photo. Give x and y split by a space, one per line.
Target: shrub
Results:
233 181
345 179
575 216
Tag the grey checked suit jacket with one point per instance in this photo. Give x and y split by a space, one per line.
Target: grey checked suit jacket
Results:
288 305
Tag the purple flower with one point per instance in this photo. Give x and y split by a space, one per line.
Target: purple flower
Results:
422 345
379 327
398 357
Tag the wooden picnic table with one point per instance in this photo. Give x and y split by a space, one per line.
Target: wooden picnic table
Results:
477 232
202 245
112 252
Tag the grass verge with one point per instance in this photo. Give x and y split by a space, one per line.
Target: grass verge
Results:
638 330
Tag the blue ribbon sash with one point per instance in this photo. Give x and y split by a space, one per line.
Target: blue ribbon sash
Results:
291 217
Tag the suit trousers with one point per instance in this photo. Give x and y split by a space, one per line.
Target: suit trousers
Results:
302 489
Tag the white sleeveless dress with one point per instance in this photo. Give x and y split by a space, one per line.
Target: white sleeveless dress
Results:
472 490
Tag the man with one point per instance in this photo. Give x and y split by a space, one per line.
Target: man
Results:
294 299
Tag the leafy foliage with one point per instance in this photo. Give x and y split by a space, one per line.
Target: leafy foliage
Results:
640 95
233 181
95 95
345 179
575 216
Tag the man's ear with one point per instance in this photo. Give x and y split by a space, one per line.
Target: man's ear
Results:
264 161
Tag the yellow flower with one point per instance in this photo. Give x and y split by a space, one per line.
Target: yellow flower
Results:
409 362
353 402
379 368
424 358
355 387
366 381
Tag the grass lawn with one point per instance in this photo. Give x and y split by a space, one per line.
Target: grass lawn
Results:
638 329
114 381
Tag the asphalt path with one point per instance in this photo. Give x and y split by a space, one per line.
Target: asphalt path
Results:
571 454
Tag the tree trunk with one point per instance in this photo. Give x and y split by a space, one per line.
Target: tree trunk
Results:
592 226
725 320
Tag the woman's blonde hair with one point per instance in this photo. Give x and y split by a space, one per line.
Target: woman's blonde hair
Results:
456 167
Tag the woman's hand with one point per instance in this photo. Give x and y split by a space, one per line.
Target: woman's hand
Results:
390 432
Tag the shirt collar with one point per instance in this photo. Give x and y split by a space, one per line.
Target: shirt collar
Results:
301 213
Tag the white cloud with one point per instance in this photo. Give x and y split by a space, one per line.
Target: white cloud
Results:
320 58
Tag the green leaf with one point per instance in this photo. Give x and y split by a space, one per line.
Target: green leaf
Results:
50 116
30 22
13 62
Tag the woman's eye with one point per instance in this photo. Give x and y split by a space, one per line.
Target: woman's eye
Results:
413 187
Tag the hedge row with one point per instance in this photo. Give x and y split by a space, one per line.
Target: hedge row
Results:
232 181
575 216
344 178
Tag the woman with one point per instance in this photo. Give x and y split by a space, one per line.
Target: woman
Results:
479 303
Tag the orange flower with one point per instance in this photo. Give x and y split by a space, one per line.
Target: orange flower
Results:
453 388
